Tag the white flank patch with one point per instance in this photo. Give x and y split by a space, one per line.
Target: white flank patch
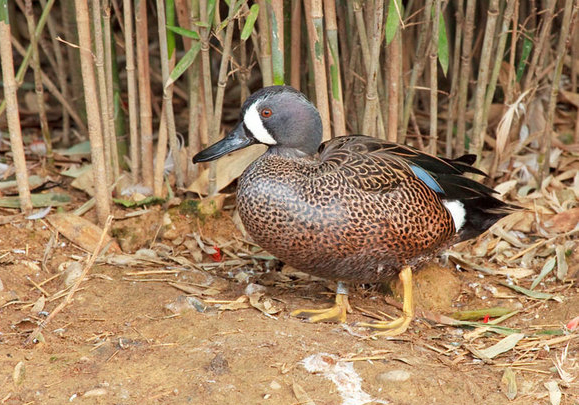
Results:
457 211
342 374
253 122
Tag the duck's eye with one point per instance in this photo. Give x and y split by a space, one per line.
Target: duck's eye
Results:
266 113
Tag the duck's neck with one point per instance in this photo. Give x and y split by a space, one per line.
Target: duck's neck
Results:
288 153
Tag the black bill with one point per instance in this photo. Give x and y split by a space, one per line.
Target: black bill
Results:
235 140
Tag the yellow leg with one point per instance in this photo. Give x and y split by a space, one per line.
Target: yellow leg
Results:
399 325
337 313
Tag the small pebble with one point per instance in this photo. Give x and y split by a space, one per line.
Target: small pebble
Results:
393 376
95 392
71 273
275 385
253 288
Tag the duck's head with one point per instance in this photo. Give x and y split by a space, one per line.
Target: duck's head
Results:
277 116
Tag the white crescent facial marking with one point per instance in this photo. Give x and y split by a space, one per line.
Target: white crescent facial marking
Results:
253 122
457 211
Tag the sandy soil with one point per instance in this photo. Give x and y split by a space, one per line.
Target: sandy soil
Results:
118 343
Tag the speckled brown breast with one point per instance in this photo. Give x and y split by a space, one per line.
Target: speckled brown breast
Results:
341 217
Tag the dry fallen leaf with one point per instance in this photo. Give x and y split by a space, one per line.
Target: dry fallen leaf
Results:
81 232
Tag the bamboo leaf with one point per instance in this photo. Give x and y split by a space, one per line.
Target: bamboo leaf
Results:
393 19
184 63
443 51
183 32
249 22
504 345
4 12
530 293
170 15
526 51
547 268
38 200
211 4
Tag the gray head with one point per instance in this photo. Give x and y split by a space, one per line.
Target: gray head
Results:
278 116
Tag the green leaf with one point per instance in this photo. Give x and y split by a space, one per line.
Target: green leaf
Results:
211 4
184 63
170 15
393 19
4 12
530 293
526 51
249 22
145 201
443 51
38 200
547 268
183 32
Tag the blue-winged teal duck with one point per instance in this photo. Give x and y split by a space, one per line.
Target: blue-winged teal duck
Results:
353 209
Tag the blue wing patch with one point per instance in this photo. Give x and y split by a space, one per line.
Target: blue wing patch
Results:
427 178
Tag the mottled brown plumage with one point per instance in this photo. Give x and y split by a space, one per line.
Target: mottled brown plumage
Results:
358 210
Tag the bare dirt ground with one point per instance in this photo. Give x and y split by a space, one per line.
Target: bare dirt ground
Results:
126 337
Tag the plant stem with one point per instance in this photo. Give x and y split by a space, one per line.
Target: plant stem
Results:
432 145
336 97
264 43
296 46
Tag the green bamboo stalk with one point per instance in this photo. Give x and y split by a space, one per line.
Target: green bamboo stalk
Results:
432 146
277 41
44 129
12 114
315 27
194 107
336 97
394 83
569 13
168 94
464 76
102 195
478 128
264 44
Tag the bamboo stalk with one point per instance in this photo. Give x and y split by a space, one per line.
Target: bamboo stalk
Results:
277 41
371 110
73 58
296 45
314 23
102 86
569 14
144 90
102 195
12 114
168 95
478 127
60 74
511 72
132 84
336 97
465 67
452 102
264 44
194 108
432 145
422 49
44 129
109 83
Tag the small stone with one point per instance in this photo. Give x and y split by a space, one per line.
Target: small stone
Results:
275 385
253 288
184 303
95 392
1 285
393 376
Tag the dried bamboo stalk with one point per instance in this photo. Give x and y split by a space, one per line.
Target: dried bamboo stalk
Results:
277 41
109 142
44 129
569 13
452 102
511 72
478 128
194 110
336 97
465 67
144 90
264 44
432 145
12 114
372 106
422 49
110 115
102 195
168 95
296 44
132 85
315 27
60 74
